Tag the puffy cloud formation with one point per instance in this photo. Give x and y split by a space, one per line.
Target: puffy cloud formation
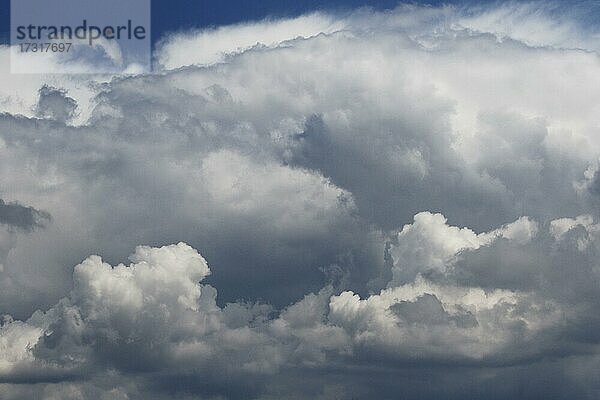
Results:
392 204
156 322
429 242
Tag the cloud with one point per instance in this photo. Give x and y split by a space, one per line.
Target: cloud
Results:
210 46
14 215
392 204
156 317
153 316
429 245
55 104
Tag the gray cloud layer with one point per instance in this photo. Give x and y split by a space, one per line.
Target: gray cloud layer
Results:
403 206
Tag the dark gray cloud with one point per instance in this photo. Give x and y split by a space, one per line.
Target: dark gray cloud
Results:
428 310
15 215
55 104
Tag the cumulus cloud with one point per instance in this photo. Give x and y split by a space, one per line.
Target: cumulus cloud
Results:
429 245
157 318
154 316
392 204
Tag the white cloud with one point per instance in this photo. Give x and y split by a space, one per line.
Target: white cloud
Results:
206 47
429 244
16 341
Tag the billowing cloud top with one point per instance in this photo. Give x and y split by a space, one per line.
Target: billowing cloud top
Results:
374 205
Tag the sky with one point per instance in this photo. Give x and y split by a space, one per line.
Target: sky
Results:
170 16
329 203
